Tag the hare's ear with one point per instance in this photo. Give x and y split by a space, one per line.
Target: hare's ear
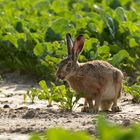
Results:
77 47
69 44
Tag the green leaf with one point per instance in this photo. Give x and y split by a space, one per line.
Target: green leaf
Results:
121 13
90 44
117 58
35 137
61 134
43 96
44 86
58 31
59 6
109 23
11 38
104 52
124 2
132 43
40 49
58 134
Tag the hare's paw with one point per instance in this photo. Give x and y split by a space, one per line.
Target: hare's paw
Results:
115 109
90 110
95 109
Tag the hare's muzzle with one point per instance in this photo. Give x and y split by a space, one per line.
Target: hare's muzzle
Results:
60 77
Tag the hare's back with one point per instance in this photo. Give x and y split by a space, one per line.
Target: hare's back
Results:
96 68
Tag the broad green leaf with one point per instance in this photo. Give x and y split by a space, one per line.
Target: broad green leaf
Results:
104 52
132 43
117 58
44 86
131 26
40 49
59 6
11 38
90 44
124 2
58 29
58 134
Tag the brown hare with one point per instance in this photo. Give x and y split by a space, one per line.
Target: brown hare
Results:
97 80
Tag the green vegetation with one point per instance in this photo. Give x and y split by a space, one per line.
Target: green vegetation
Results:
61 134
32 93
106 132
134 90
65 98
32 33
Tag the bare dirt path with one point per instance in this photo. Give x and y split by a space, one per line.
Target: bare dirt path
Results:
17 119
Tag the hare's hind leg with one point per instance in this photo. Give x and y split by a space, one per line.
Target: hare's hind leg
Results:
106 105
88 105
118 77
94 108
115 107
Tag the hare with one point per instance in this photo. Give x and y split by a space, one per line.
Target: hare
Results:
97 80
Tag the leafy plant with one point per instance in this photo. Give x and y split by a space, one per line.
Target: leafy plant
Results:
32 93
61 134
65 98
109 131
46 94
106 131
32 40
68 98
134 90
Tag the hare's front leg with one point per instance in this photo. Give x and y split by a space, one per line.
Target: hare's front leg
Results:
88 105
93 108
97 103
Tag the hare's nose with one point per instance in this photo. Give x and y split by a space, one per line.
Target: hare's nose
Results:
60 77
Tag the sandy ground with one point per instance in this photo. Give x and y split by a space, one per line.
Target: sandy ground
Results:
18 120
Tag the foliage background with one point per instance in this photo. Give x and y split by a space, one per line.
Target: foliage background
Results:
32 33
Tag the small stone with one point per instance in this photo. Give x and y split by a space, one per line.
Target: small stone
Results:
90 130
68 121
22 108
13 116
29 115
6 106
38 109
126 122
83 123
75 116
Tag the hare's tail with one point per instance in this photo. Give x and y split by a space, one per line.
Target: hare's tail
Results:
118 77
106 105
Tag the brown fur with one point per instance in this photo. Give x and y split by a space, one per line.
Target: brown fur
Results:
98 80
